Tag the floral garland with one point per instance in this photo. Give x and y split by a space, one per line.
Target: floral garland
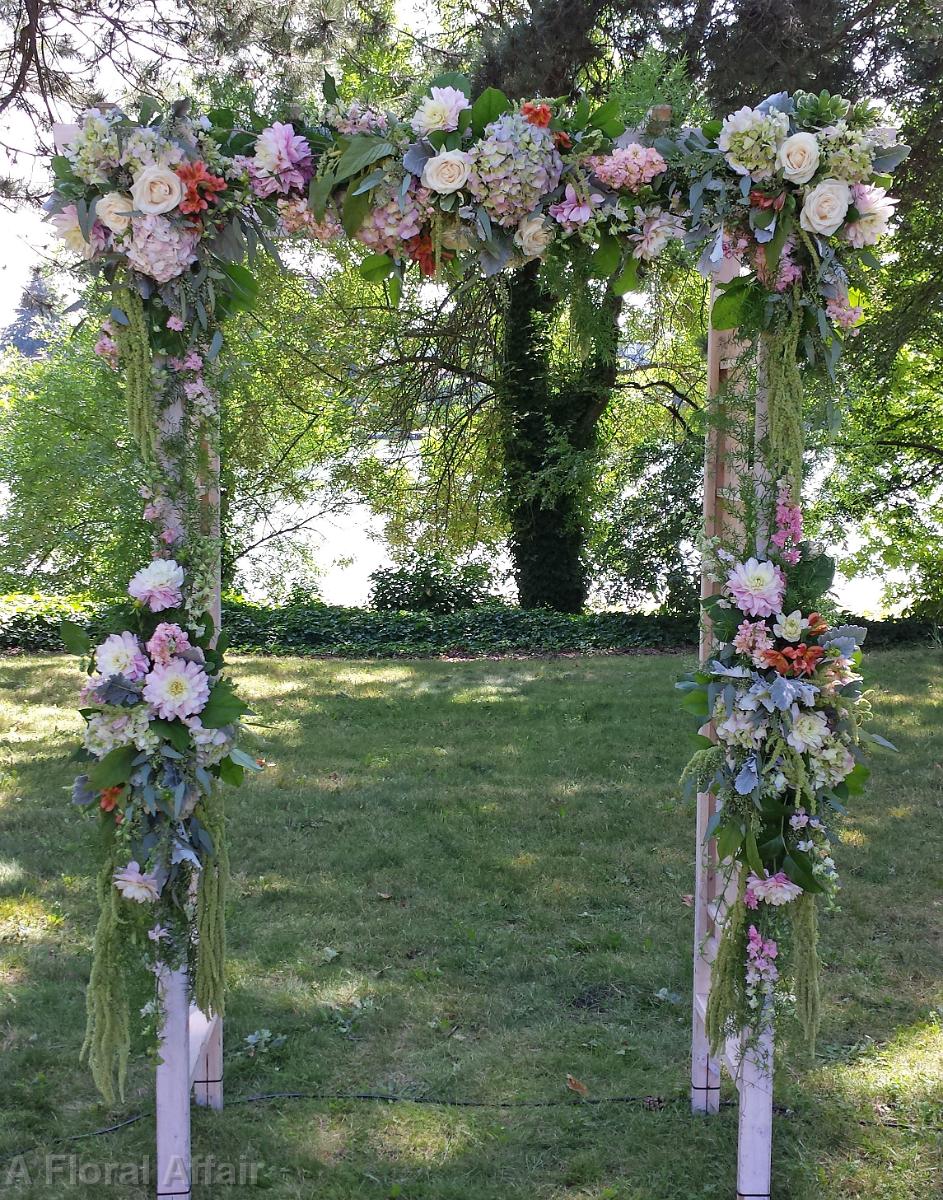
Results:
170 205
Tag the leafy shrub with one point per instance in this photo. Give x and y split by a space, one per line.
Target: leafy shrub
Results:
32 623
430 583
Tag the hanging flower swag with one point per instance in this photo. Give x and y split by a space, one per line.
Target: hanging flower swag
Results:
169 206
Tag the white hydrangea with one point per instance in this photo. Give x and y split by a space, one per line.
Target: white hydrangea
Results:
750 140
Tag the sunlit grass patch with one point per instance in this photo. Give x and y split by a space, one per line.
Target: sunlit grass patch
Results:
466 880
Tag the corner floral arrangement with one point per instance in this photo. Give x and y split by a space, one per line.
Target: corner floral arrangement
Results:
796 190
161 727
783 697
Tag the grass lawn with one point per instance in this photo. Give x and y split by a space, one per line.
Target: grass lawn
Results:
466 880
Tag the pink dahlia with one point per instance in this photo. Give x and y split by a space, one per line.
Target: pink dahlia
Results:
774 889
282 161
121 654
757 587
158 584
177 689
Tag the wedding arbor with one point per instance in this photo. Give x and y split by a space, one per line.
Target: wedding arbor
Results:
781 202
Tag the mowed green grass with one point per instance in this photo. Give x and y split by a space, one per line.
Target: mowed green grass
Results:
466 880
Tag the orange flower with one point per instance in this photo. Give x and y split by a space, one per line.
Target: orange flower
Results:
421 250
194 176
775 660
817 625
762 200
109 798
538 114
804 658
562 140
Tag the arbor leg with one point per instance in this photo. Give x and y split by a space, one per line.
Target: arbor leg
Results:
755 1137
208 1081
705 1069
173 1088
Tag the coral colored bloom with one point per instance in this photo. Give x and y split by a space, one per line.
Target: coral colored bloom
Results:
537 114
757 587
421 250
199 186
562 140
109 798
158 584
177 689
135 884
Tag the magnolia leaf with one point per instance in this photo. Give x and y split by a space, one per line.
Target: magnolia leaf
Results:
452 79
329 88
362 151
377 267
604 113
487 108
74 638
172 731
114 768
223 707
231 773
628 280
606 258
355 212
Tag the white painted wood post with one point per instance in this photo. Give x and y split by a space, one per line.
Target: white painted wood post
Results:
173 1088
749 1061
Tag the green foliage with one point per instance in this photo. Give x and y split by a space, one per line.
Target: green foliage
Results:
430 583
210 973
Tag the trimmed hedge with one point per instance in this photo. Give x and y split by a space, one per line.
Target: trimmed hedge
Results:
32 623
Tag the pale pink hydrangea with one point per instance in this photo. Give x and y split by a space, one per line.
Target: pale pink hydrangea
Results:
757 587
135 884
576 208
395 217
167 640
177 689
843 313
297 217
121 654
628 168
513 167
161 248
158 585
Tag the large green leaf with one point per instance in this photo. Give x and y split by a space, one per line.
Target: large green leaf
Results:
114 768
628 280
452 79
74 638
603 114
487 108
606 258
223 707
729 306
172 731
355 212
377 267
361 152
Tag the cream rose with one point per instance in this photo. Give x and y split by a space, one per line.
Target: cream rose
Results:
446 172
825 206
533 236
798 157
114 211
156 190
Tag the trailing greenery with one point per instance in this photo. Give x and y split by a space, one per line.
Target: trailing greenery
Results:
805 967
210 973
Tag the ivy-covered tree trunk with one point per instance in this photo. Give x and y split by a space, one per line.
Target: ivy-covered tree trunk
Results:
549 428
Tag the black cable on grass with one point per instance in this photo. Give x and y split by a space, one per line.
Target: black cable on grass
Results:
646 1103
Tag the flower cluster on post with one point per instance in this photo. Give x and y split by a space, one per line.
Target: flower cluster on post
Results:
783 697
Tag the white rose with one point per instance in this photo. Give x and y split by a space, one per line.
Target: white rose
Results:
798 157
156 190
446 172
114 211
533 236
825 206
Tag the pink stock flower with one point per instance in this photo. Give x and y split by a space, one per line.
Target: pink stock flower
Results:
177 689
158 585
575 210
752 637
844 314
787 535
166 641
757 587
107 348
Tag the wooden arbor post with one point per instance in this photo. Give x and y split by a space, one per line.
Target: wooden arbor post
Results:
749 1060
191 1042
